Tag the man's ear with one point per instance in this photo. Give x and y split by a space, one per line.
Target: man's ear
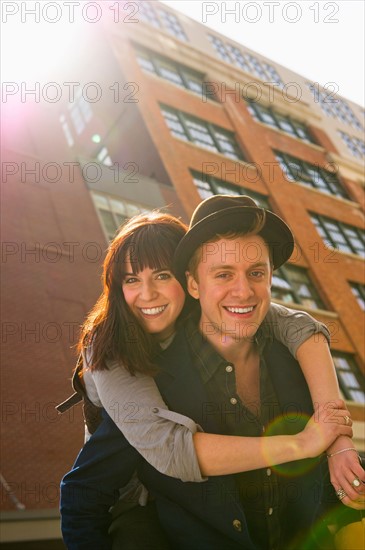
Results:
192 285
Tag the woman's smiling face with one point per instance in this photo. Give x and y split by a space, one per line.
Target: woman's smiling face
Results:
155 298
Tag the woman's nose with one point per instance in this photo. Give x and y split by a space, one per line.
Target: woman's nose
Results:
148 291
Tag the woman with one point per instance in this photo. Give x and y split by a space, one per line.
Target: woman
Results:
136 316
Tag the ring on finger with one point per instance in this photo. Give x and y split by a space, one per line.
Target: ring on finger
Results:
356 482
341 493
347 420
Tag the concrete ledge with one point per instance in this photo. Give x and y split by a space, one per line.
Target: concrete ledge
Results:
30 525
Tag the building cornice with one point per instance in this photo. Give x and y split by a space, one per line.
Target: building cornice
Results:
348 168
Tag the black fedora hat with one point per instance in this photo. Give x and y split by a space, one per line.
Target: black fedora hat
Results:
220 214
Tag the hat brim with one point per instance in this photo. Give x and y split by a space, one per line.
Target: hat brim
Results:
275 232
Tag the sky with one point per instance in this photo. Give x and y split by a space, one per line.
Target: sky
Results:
323 41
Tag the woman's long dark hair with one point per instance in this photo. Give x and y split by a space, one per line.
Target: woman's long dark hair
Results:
112 331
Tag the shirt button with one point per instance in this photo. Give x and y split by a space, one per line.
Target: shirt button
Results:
268 472
155 410
233 401
237 525
229 368
270 511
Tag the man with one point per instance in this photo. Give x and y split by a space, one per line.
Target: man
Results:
239 384
224 373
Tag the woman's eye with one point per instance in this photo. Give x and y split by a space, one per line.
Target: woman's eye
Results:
130 280
164 276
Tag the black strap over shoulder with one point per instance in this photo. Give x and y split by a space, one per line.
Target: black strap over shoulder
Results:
70 402
92 413
78 386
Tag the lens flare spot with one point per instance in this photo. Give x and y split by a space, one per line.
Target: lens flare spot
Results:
291 422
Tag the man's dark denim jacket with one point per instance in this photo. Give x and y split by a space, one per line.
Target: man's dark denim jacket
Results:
195 516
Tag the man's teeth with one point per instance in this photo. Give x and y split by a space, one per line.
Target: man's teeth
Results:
152 310
240 309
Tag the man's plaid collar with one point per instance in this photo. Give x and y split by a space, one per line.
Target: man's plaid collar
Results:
205 358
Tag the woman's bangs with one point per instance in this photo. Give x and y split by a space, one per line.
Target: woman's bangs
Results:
153 251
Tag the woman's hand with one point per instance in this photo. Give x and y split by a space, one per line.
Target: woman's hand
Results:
346 473
329 422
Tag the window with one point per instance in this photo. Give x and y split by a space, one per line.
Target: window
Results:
208 185
220 48
66 131
334 106
172 25
238 58
358 291
343 237
256 66
113 212
285 123
161 18
272 74
349 376
202 133
246 62
147 13
292 284
310 174
103 157
173 72
80 112
355 145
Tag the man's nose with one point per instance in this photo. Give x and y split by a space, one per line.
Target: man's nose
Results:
242 288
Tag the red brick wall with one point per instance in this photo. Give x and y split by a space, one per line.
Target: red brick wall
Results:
330 269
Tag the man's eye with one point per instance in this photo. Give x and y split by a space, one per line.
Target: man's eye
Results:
257 274
222 275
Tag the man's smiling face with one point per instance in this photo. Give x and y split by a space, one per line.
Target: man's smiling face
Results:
232 282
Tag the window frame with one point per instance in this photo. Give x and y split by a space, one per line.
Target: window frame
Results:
214 182
354 370
66 130
354 144
171 23
184 72
334 107
247 62
104 157
161 18
80 112
139 208
358 290
211 130
258 112
321 224
331 184
284 273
